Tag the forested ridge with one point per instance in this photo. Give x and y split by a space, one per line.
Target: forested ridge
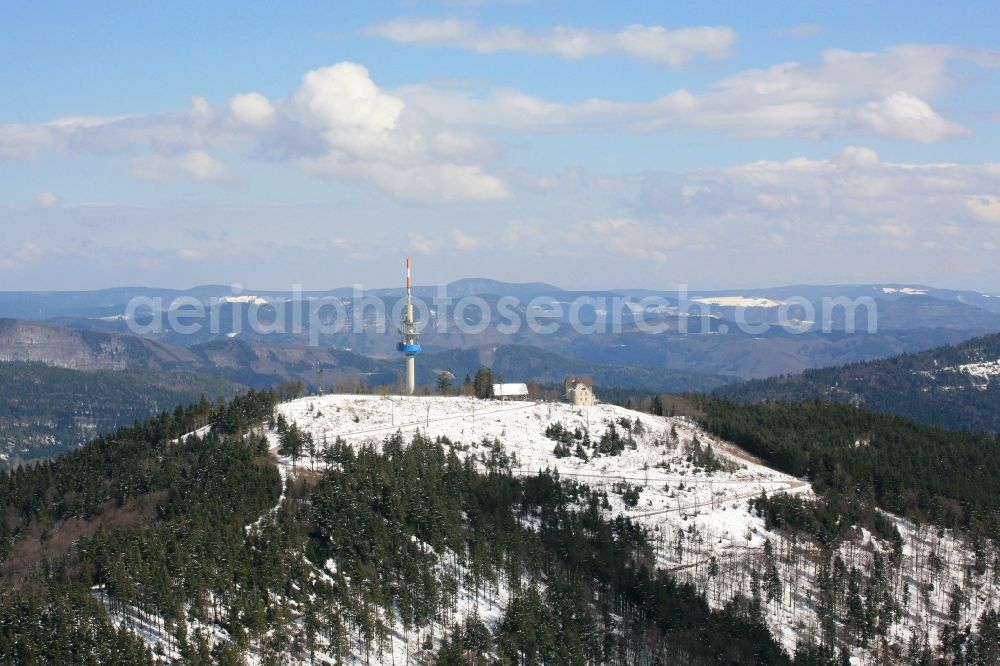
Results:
182 534
45 411
923 386
865 459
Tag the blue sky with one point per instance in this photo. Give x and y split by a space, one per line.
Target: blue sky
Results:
711 144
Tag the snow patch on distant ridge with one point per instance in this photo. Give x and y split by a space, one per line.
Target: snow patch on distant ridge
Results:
740 302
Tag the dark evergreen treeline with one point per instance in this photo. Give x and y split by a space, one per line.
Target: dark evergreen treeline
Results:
45 411
912 386
57 621
828 519
855 456
146 517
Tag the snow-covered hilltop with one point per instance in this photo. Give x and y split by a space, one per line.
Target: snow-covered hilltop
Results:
658 458
688 488
690 491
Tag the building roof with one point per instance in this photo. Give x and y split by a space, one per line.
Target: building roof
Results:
509 390
572 381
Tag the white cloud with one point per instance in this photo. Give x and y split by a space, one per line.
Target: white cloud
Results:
372 136
26 253
47 200
419 243
626 237
850 197
985 207
343 97
425 145
192 254
522 235
195 165
201 110
84 122
894 230
336 124
646 42
799 31
424 184
881 94
610 225
252 109
857 156
464 241
903 116
25 141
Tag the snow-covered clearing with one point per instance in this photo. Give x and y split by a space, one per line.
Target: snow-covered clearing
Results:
906 291
986 370
739 302
981 373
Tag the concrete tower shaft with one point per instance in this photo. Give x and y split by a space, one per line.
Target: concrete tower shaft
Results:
408 345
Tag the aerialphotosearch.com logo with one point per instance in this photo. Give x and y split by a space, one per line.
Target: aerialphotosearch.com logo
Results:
318 317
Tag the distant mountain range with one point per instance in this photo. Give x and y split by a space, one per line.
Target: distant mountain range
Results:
780 331
87 332
61 386
261 364
954 387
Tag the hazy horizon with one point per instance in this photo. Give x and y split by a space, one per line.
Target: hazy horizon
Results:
248 289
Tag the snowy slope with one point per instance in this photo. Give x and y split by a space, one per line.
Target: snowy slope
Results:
981 373
699 520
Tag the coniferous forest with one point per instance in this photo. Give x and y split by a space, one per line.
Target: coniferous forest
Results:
173 534
928 386
183 527
45 410
941 477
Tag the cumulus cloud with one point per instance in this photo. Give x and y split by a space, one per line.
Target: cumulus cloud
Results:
252 109
428 145
875 93
653 43
338 123
370 135
903 116
851 195
344 96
